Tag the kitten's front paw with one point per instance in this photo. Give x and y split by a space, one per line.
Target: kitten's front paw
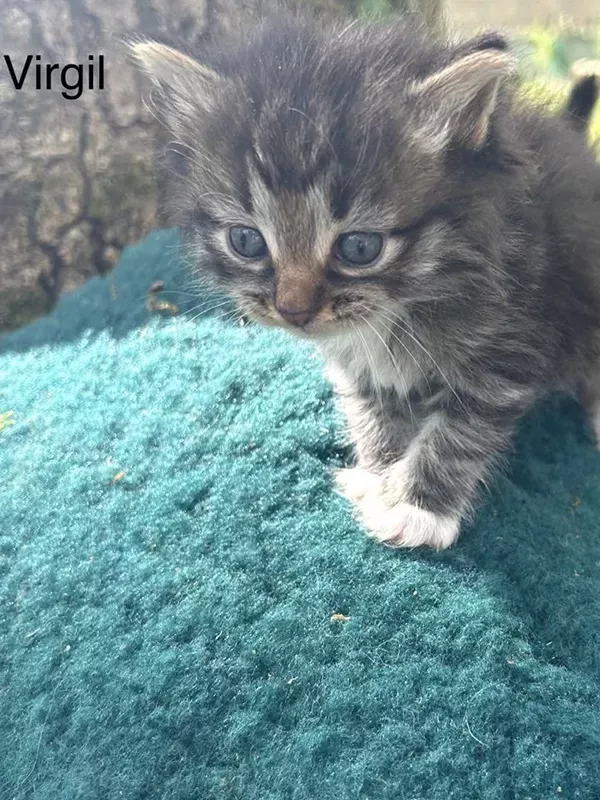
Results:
389 520
405 525
357 484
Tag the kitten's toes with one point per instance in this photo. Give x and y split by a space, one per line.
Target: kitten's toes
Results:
405 525
356 483
395 524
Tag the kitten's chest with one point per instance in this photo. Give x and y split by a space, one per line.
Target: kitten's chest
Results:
368 354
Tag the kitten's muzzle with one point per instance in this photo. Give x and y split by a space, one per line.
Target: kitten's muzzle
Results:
299 295
296 317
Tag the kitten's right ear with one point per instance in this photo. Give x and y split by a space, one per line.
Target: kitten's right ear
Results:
458 101
184 84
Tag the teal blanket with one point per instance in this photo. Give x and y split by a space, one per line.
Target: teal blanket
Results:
189 612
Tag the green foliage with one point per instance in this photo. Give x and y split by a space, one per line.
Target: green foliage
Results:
551 50
428 11
543 43
548 54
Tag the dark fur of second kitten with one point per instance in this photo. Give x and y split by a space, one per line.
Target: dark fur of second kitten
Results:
388 197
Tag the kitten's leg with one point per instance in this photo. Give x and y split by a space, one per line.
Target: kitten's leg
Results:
381 427
423 496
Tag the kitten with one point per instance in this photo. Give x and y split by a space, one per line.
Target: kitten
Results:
385 196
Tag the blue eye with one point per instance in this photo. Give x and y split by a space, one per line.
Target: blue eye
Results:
247 242
359 249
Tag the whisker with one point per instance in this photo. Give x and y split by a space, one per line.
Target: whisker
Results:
370 359
208 310
402 344
411 355
399 322
395 363
231 316
189 311
163 293
177 292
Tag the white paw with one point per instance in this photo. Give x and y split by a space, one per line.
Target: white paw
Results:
405 525
388 519
356 484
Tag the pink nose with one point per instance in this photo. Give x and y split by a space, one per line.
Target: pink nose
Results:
294 317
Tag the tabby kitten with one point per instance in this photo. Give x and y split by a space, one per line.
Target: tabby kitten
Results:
385 196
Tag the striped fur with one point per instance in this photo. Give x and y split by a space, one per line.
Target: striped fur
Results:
486 296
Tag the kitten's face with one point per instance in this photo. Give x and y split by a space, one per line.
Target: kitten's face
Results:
314 181
289 258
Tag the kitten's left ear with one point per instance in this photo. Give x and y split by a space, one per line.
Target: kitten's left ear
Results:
460 99
184 85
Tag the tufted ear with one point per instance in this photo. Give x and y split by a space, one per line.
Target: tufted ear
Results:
184 85
460 99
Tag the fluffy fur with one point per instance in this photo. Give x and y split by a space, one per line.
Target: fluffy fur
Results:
486 295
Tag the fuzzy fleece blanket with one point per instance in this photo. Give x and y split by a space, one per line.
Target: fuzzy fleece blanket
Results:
188 611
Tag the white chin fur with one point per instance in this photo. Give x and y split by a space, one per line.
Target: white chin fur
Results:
398 524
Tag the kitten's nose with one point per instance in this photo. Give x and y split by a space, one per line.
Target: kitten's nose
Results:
295 317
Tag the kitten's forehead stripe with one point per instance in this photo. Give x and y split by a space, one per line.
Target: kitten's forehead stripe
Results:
309 112
297 225
290 150
259 163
